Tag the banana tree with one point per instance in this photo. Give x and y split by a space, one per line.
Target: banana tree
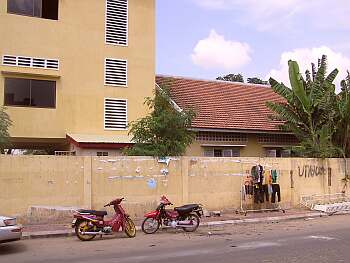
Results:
309 108
342 134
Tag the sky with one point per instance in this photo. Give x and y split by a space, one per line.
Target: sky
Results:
209 38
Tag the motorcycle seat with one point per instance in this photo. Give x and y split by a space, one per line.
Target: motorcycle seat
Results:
93 212
186 208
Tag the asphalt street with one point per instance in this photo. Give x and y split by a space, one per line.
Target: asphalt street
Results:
325 239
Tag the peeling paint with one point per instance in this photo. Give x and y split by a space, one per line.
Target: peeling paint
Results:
152 183
164 171
239 174
114 177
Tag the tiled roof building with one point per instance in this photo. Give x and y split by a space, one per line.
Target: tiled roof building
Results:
232 118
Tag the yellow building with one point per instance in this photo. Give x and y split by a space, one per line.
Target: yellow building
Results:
232 118
74 73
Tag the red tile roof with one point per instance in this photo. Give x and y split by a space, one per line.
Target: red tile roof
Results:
222 104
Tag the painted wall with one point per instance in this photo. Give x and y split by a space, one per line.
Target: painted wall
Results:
253 148
27 181
77 39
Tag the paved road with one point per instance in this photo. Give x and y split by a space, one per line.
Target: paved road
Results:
325 239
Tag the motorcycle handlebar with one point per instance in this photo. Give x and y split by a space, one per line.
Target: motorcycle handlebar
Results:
109 204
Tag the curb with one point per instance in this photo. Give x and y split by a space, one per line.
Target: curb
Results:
264 219
70 233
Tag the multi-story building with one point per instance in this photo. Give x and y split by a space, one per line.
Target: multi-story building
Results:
74 73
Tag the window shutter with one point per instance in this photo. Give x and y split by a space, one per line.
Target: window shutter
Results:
115 114
116 72
52 64
208 153
117 22
236 153
9 60
38 63
271 153
21 61
227 153
24 61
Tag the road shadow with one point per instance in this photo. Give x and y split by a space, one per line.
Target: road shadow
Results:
12 248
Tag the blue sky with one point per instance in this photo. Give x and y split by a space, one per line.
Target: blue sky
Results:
208 38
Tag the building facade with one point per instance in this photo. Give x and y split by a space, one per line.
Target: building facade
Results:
73 74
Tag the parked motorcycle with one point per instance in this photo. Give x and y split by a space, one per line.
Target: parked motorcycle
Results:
186 217
89 223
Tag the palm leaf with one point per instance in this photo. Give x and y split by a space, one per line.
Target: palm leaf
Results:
298 85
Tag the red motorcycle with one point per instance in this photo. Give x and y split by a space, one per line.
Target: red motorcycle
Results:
186 217
89 223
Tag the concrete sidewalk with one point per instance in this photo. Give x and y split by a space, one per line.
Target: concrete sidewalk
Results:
65 230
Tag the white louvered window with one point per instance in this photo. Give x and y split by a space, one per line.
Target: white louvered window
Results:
30 62
117 22
116 117
116 72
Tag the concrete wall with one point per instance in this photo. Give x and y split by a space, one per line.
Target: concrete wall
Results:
27 181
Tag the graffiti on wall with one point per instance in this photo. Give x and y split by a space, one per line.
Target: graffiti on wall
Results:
311 170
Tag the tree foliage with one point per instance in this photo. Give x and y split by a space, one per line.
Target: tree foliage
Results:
232 77
310 109
256 80
5 123
165 131
239 78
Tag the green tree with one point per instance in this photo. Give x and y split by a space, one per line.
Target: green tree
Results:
342 120
309 109
5 123
256 80
165 131
342 133
232 77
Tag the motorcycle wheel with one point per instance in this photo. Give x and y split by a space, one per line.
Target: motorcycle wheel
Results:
130 229
83 226
195 220
150 225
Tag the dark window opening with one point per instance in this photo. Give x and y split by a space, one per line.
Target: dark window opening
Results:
30 93
37 8
226 152
217 153
278 152
102 153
